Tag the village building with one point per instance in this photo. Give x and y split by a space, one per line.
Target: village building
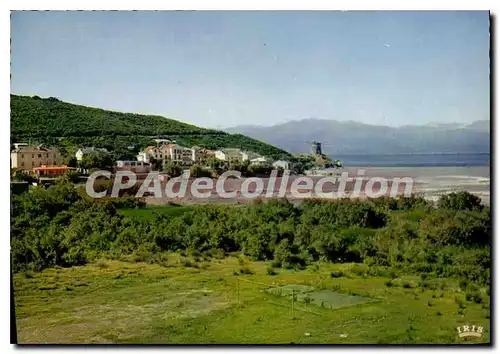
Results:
89 150
229 155
259 161
133 166
27 157
51 171
282 164
174 153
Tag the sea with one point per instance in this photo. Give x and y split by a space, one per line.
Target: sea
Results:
434 174
415 160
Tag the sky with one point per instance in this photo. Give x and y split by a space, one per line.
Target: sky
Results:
221 69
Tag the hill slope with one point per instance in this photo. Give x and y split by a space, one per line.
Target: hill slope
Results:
55 122
358 138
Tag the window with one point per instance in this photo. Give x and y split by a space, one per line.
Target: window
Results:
39 155
22 156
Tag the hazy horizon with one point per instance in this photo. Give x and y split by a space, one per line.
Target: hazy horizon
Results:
222 69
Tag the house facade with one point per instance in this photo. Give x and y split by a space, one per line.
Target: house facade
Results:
259 161
229 155
174 153
27 157
85 151
134 166
282 164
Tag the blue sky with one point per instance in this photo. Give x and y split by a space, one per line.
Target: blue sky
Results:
221 69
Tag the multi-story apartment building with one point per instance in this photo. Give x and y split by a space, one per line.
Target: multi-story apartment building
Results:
27 157
200 155
179 155
134 166
173 153
229 155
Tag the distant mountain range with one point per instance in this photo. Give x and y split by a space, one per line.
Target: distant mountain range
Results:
350 137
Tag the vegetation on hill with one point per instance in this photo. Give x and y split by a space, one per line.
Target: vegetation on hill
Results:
58 123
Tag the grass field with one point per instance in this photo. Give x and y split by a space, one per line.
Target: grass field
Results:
225 301
149 212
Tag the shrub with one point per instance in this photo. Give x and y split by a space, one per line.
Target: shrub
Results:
460 302
276 264
477 297
188 263
270 271
409 284
28 275
359 269
468 296
463 283
246 270
460 201
102 264
337 274
393 274
315 267
389 283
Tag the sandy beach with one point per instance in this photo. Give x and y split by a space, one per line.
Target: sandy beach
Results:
430 182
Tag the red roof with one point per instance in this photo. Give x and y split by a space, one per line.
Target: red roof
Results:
51 168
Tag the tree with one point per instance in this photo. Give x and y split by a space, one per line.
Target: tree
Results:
97 160
242 166
259 170
22 177
70 176
214 163
460 201
157 164
198 171
172 169
72 162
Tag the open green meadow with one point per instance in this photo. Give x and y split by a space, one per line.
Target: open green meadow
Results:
205 299
151 212
378 271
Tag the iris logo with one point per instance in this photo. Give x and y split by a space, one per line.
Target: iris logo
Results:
470 331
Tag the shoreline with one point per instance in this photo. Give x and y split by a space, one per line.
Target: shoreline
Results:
429 182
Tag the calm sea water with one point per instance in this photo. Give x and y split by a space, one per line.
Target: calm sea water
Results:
434 174
414 160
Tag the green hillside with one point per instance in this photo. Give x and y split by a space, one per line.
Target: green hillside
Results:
54 122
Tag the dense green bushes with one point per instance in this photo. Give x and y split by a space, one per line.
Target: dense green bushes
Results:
58 227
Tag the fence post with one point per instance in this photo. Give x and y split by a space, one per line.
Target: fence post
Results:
238 290
293 300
